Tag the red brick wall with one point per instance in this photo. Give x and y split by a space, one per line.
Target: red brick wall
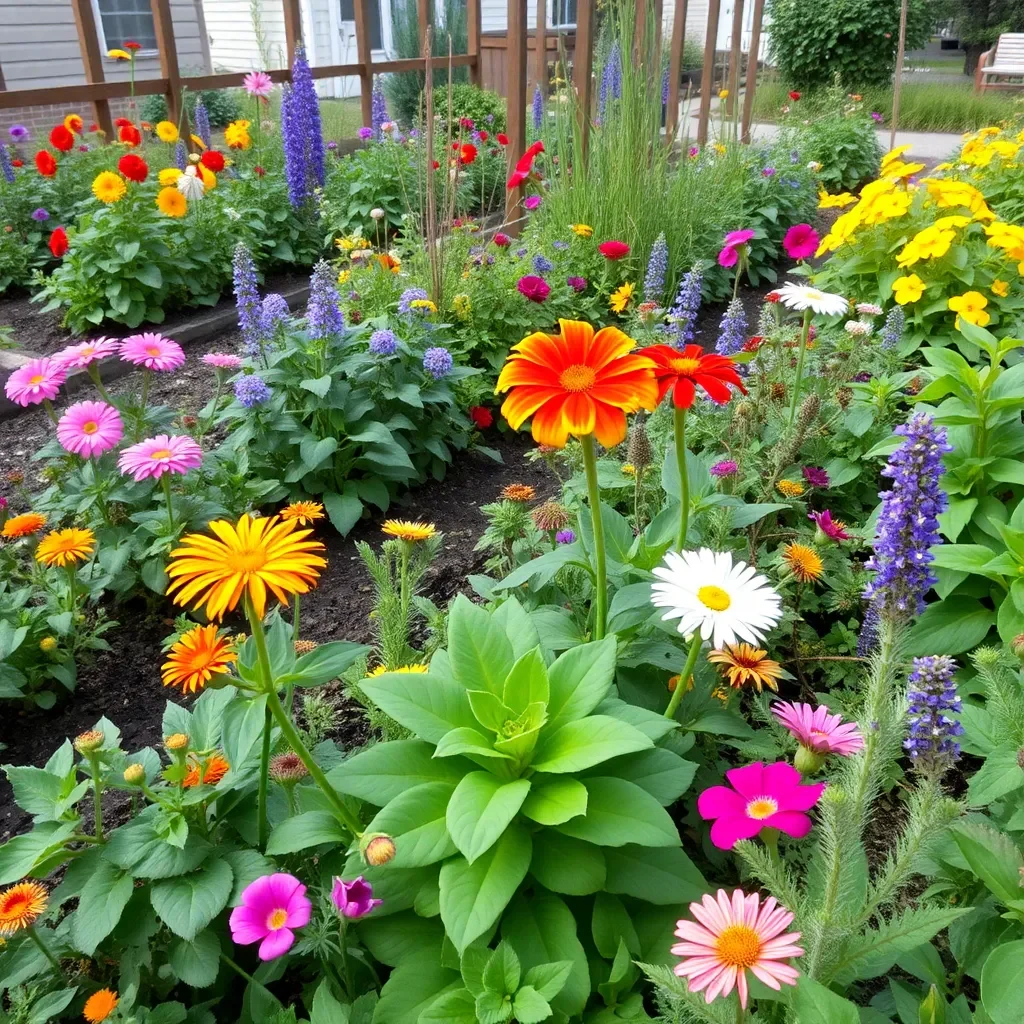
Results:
40 119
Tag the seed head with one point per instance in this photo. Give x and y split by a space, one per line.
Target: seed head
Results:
778 392
378 849
89 742
287 768
551 516
639 451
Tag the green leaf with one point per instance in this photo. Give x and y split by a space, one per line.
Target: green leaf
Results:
189 903
478 649
49 1007
100 905
319 386
480 810
454 1007
813 1003
1002 984
619 813
469 741
583 743
311 828
415 819
527 683
579 680
243 726
326 1009
953 626
196 963
386 770
149 274
502 972
429 705
325 663
412 987
993 857
473 896
529 1006
20 854
549 979
998 776
663 774
392 938
660 875
344 510
552 801
611 922
563 864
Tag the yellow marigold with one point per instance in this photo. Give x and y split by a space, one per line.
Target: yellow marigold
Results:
886 207
48 644
1007 150
304 512
166 131
21 906
953 222
790 488
803 562
236 136
74 123
842 231
899 170
168 176
582 230
723 94
878 187
66 547
620 298
408 531
108 187
119 54
196 657
976 153
628 469
1000 288
895 154
100 1005
908 289
176 741
744 663
381 669
837 202
23 525
171 202
929 244
971 307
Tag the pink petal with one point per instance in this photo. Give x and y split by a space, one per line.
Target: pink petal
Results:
741 986
709 913
719 800
693 932
727 832
793 823
276 944
245 927
780 777
802 798
259 895
299 911
748 781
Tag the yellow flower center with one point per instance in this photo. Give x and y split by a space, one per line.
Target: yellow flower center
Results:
277 919
761 808
160 453
153 350
813 294
88 350
247 561
714 598
90 427
685 366
577 378
37 379
739 946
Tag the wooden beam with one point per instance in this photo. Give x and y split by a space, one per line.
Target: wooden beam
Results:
540 75
897 82
707 78
69 95
92 60
755 47
473 27
163 27
292 28
583 65
361 10
675 70
735 56
516 104
425 21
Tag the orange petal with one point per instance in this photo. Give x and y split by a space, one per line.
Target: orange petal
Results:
622 394
609 343
548 425
518 372
523 402
577 338
578 412
609 425
542 349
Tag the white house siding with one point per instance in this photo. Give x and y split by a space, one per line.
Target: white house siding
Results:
233 45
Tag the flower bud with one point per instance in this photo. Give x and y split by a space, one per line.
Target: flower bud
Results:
287 768
48 644
1017 645
89 742
377 849
808 761
135 775
176 742
305 646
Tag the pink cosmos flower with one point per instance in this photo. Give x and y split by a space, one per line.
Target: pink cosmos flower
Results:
90 428
832 528
534 288
354 899
222 361
817 730
733 935
531 202
729 256
37 381
258 83
78 357
174 453
800 242
153 351
762 796
501 240
272 908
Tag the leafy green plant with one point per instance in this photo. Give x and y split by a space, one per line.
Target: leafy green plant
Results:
222 105
485 108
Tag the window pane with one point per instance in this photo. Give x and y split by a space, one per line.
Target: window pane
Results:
125 20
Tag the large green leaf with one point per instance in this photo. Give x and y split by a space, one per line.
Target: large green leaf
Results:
20 854
554 800
1002 984
480 810
473 896
396 937
618 813
586 742
386 770
527 683
479 650
428 705
563 864
953 626
993 857
416 821
999 775
813 1003
196 963
100 905
189 903
657 874
412 987
580 679
663 774
300 832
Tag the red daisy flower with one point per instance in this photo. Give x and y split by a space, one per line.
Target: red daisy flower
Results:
212 161
681 371
61 138
58 242
45 163
613 250
133 167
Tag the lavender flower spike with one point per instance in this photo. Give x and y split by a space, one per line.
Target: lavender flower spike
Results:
733 329
908 523
538 108
5 165
378 111
892 330
323 317
657 265
682 317
247 299
201 119
273 312
302 133
931 696
611 79
180 155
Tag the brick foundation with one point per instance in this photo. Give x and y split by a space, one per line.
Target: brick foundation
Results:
40 119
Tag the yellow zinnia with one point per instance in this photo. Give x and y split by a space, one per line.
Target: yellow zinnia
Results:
908 289
108 187
66 547
894 154
169 175
971 307
236 135
166 131
582 230
119 55
171 202
619 299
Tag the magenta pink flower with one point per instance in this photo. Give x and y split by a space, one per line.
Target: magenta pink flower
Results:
501 240
534 288
37 381
90 428
272 908
78 357
222 361
801 242
153 351
818 730
531 202
727 467
729 256
354 899
762 796
816 476
258 83
733 935
174 453
832 528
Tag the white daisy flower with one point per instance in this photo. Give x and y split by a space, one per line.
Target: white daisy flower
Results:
191 185
706 591
802 296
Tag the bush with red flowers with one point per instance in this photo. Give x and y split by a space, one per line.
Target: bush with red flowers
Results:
133 167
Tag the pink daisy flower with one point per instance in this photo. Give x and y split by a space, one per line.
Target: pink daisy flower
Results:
90 428
78 357
800 242
175 453
222 361
733 935
762 796
818 730
153 351
37 381
832 528
272 908
258 83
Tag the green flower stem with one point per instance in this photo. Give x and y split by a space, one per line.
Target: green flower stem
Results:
263 822
684 676
143 398
238 970
795 400
770 838
31 932
289 690
165 483
600 572
213 411
94 376
288 730
97 795
741 1014
72 589
50 411
679 429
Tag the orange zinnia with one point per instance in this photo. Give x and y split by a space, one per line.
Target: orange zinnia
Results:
681 371
24 525
576 382
210 772
21 906
99 1006
196 657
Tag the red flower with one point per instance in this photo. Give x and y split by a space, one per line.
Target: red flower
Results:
61 138
681 371
794 95
502 139
258 171
130 135
772 297
45 163
524 167
436 165
534 288
481 416
58 242
132 45
753 344
122 122
212 160
484 136
74 123
94 127
467 154
133 167
613 250
467 123
17 163
501 240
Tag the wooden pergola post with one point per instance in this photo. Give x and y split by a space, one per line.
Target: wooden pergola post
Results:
675 69
292 28
516 101
473 27
541 41
361 9
92 60
164 29
752 61
424 21
735 56
897 82
707 78
583 65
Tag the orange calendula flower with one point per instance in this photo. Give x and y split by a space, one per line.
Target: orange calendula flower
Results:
576 382
743 663
24 525
803 562
66 547
208 772
21 906
196 658
303 512
518 492
244 559
100 1005
412 532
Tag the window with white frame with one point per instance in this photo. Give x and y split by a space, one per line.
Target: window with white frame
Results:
563 14
125 21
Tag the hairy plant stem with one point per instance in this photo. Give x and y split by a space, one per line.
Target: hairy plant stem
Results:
679 430
795 400
41 946
97 795
600 572
213 411
684 677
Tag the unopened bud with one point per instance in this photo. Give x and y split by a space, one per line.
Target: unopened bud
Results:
378 849
305 646
89 742
177 741
287 768
135 775
1017 645
808 761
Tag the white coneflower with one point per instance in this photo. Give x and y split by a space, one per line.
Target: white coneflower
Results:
709 593
857 328
190 185
802 296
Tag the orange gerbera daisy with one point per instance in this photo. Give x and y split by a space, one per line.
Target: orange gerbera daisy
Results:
681 371
24 525
248 558
576 382
21 906
743 663
66 547
196 658
210 771
99 1006
804 562
303 512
